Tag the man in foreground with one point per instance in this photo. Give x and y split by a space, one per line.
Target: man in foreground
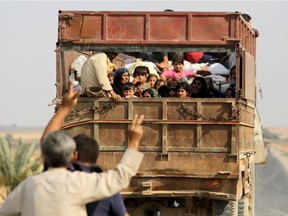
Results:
61 192
87 154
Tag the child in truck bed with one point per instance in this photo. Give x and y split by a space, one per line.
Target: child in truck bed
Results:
178 71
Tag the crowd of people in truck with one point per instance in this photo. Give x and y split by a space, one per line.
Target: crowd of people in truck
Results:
156 74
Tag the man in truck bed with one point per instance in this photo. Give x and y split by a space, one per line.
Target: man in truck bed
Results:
94 73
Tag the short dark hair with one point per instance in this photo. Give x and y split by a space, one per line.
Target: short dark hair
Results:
141 70
87 147
111 55
178 58
128 86
150 91
164 91
183 85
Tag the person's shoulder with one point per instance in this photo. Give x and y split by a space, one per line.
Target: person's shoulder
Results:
168 72
117 196
35 179
32 178
98 55
188 72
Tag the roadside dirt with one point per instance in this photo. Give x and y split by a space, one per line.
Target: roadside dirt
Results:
272 178
281 152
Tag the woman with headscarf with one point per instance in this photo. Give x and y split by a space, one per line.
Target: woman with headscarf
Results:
199 88
121 77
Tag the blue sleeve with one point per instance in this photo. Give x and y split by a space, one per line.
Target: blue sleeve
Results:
110 206
117 205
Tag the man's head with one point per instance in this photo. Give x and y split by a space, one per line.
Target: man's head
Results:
111 55
57 149
87 148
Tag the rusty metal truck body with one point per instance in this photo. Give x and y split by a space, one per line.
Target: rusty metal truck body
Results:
199 153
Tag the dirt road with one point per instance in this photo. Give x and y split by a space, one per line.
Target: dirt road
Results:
272 185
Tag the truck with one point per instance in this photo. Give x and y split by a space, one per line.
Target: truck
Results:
199 153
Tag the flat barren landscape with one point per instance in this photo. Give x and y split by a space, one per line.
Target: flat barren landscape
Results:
24 133
279 130
280 147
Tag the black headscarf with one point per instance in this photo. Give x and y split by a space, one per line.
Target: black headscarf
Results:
203 91
118 85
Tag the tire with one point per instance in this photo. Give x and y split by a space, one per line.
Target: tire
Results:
225 208
241 207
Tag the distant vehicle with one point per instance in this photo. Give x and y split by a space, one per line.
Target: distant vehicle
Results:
199 153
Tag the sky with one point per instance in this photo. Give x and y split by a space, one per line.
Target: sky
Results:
28 34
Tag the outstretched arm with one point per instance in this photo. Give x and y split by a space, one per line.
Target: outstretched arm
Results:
115 96
68 102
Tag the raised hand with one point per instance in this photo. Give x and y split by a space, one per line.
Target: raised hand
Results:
135 132
70 99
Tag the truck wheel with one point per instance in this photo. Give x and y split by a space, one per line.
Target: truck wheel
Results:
225 208
241 207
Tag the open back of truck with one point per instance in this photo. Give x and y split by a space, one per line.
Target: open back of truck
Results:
199 153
